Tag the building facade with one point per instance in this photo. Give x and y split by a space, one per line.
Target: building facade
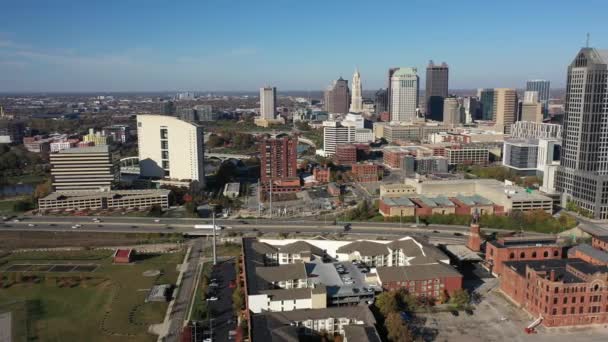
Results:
335 134
583 174
520 249
404 95
543 88
170 148
452 112
337 97
278 159
437 77
356 103
505 107
82 169
268 102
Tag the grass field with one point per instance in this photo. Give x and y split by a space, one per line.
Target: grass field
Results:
105 305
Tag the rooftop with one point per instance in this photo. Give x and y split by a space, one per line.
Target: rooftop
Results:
87 149
415 272
283 272
83 195
594 253
559 266
365 248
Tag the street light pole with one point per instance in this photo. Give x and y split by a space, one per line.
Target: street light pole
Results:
214 255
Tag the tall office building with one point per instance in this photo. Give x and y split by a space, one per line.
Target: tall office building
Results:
452 112
583 174
268 102
356 103
436 90
82 169
404 95
170 148
337 97
381 101
471 109
278 159
335 134
543 88
486 102
531 109
505 107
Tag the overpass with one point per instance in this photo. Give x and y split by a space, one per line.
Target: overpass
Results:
226 156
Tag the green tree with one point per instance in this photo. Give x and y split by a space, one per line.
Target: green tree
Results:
460 298
396 330
215 141
387 302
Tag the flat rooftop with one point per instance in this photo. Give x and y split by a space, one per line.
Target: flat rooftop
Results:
560 267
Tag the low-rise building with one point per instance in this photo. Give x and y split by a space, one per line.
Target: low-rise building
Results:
364 173
346 154
562 292
321 175
104 199
420 205
589 254
430 281
520 249
396 207
457 155
396 190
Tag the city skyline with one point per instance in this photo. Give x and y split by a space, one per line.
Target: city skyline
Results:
67 46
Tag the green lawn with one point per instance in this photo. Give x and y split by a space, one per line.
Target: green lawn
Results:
108 307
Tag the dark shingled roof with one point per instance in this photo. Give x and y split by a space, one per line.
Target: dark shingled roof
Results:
361 333
586 249
416 272
366 248
282 272
300 247
263 248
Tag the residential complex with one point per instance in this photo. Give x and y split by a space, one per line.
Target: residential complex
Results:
104 200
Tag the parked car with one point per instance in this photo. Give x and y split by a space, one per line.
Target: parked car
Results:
212 298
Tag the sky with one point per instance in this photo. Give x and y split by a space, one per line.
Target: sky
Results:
222 45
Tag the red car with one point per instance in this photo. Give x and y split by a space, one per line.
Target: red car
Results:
232 284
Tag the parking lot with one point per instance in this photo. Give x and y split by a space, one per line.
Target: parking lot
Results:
497 319
223 317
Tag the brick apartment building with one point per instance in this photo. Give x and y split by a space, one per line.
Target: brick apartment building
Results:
600 242
564 292
421 280
392 158
321 175
520 249
364 173
346 154
278 165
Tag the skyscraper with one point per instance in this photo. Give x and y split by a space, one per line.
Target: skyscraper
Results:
531 109
356 103
278 159
391 71
471 109
381 101
170 148
583 174
337 97
268 102
335 134
505 107
486 101
82 168
543 88
404 95
436 90
452 112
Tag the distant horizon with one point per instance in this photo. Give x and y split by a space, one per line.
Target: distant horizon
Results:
118 46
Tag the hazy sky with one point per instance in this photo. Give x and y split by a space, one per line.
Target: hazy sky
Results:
128 45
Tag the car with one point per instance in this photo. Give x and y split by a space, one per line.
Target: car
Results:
53 225
454 313
348 282
436 231
243 222
156 220
208 339
213 280
31 225
457 234
133 226
16 220
232 284
212 299
168 227
364 270
214 284
75 226
95 219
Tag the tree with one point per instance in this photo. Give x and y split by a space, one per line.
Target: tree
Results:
386 302
460 298
396 329
42 189
215 141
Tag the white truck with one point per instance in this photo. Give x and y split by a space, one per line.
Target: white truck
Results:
207 227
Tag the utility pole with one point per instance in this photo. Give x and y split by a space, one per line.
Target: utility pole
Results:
214 255
270 197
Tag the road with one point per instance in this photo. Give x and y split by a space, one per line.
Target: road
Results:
185 292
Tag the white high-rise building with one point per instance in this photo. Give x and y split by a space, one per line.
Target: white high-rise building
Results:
268 102
170 148
335 134
356 103
404 95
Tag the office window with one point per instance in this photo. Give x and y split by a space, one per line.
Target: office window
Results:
164 144
164 133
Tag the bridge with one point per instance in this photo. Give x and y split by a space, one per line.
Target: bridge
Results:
129 165
301 139
226 156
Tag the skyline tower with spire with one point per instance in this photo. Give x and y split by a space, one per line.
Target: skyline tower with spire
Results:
356 103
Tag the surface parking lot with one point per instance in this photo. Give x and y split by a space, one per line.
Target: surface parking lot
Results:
52 268
495 318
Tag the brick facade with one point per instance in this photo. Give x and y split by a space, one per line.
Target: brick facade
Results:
518 249
365 172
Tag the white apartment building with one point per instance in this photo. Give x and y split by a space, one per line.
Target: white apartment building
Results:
170 148
404 95
82 169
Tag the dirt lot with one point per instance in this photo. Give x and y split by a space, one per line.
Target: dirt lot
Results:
10 240
497 319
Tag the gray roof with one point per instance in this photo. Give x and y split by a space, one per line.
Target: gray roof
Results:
86 149
366 248
416 272
282 272
288 294
126 194
409 247
361 333
595 253
263 248
300 247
